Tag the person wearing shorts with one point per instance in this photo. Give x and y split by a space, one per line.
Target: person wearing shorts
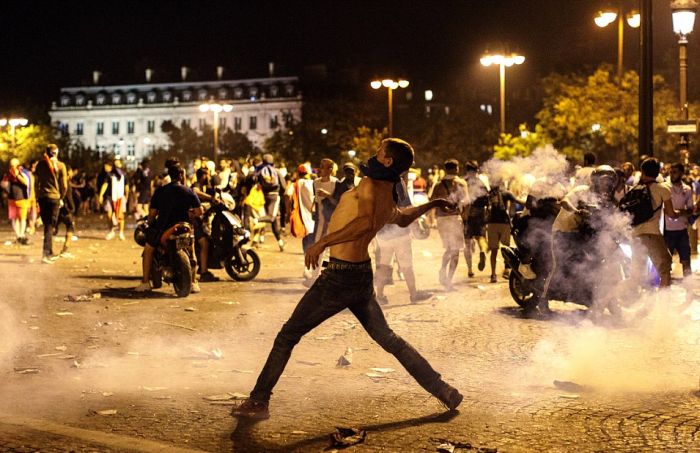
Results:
498 225
449 221
18 182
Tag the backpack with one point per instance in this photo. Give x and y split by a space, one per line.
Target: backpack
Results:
269 179
639 203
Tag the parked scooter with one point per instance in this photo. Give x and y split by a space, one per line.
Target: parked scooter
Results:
172 260
228 241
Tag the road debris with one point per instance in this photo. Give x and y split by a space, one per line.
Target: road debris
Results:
383 370
306 362
242 371
176 325
231 303
105 412
107 394
64 313
569 386
446 448
451 445
345 359
61 348
26 370
347 437
154 389
204 354
83 297
225 399
190 309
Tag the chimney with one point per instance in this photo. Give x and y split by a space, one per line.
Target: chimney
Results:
271 68
96 77
149 74
184 70
219 72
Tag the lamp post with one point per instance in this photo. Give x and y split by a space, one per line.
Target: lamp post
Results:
502 61
607 16
683 13
216 108
390 85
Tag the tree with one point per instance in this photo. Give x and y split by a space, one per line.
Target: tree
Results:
235 144
29 142
522 145
597 113
366 142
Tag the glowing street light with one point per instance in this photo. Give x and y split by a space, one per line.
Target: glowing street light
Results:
13 123
390 85
683 14
215 108
502 61
607 17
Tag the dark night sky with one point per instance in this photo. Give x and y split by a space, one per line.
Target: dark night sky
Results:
47 45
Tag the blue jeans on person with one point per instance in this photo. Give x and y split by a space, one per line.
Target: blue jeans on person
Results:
342 285
678 241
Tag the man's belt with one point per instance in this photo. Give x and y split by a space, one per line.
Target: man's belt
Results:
340 265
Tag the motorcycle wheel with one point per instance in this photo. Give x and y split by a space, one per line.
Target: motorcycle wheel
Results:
420 229
243 272
521 295
182 274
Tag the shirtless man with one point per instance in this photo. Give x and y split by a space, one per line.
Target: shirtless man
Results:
346 281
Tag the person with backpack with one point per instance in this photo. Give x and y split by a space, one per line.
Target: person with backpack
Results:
272 182
498 224
449 221
644 203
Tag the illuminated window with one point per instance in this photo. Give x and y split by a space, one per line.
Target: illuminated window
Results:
101 98
80 99
167 96
78 128
274 122
151 126
129 127
116 98
131 98
65 100
151 96
100 128
115 127
187 95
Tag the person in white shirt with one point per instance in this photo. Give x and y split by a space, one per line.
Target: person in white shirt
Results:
676 230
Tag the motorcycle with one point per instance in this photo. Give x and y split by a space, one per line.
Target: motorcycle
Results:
531 261
228 241
172 261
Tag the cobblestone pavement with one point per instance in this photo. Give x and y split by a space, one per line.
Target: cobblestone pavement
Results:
156 360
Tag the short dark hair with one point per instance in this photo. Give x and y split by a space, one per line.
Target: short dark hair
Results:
650 167
678 166
401 152
589 159
471 165
175 172
451 164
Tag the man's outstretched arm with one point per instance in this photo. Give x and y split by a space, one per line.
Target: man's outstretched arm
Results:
405 216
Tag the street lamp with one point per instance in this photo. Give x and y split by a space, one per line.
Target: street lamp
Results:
215 108
390 85
608 16
502 61
683 14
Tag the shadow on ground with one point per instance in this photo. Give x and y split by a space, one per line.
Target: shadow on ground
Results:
244 439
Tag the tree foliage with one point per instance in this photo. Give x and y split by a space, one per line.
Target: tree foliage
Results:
521 145
29 142
598 113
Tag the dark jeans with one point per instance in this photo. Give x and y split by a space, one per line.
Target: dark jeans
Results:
678 241
49 216
334 291
272 208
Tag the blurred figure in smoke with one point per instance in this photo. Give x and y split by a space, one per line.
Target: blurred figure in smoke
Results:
628 170
498 223
394 241
346 281
474 217
143 185
449 221
583 174
676 230
648 239
569 246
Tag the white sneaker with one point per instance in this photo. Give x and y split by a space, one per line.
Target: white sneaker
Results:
143 287
121 235
110 235
66 254
196 288
280 243
74 238
47 260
